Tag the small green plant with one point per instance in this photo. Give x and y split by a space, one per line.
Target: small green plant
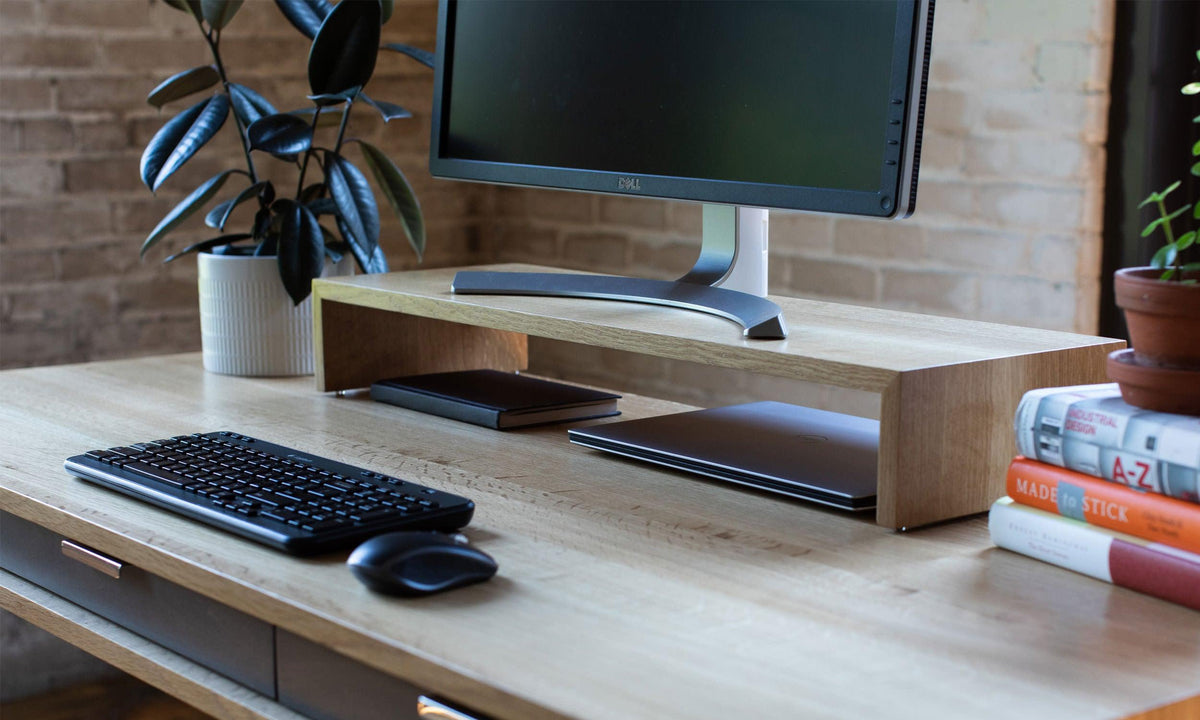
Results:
1169 257
345 43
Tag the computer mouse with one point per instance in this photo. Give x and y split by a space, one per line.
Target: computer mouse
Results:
413 562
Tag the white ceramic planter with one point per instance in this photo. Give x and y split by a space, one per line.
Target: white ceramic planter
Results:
248 324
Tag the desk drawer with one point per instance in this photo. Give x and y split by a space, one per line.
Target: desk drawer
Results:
326 685
218 637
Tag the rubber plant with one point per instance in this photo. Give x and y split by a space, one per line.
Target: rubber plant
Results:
331 209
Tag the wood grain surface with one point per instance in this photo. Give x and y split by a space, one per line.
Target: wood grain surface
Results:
948 388
624 591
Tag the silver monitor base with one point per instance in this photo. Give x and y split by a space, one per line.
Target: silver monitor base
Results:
731 235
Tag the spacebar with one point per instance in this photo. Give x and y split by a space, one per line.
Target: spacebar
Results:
149 471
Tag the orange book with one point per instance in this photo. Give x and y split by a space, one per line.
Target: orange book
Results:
1099 502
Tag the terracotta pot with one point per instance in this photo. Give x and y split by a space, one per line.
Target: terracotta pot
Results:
1163 317
1154 387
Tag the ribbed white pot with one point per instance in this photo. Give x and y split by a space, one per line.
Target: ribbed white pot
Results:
248 324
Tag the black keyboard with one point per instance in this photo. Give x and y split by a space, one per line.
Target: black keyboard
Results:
290 500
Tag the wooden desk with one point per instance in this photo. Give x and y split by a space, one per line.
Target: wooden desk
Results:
624 591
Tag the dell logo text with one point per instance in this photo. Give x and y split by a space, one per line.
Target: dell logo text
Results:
629 183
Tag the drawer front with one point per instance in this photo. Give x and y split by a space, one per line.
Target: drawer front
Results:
326 685
205 631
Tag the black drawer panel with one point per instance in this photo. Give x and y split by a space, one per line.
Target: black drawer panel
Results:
203 630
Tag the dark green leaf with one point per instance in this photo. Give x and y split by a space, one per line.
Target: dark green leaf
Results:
183 84
180 138
334 256
355 201
208 245
370 258
322 206
305 15
1196 148
312 192
399 195
280 134
218 13
334 98
301 248
1146 231
186 207
389 111
249 105
424 57
1164 257
343 52
218 216
1186 240
387 7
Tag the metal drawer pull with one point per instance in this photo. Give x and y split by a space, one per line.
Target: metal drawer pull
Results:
92 559
432 709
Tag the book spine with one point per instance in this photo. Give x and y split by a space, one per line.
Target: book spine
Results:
1089 429
1116 558
436 406
1099 502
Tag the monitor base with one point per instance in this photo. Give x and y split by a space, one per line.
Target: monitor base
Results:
761 318
729 278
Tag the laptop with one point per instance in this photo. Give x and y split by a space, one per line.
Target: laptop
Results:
814 455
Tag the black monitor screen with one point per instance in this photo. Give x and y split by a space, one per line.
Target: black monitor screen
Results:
791 93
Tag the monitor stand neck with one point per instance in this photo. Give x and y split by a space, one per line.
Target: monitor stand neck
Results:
729 278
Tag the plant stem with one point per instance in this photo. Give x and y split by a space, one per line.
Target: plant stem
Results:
337 148
213 43
1166 226
307 154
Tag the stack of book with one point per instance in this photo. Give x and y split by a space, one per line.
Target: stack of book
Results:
1105 489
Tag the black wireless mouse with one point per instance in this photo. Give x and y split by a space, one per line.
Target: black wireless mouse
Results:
412 563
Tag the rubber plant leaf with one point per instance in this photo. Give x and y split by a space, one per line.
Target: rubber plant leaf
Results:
218 216
339 98
301 251
180 138
399 195
218 13
343 52
424 57
208 245
370 258
386 7
249 105
355 202
389 111
187 207
280 134
305 15
183 84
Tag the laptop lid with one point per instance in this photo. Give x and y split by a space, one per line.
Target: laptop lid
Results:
800 452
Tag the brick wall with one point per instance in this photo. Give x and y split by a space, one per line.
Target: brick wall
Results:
1007 224
74 75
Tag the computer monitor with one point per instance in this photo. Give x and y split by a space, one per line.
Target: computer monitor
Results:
793 104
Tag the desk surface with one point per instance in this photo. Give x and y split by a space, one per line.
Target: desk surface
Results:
624 591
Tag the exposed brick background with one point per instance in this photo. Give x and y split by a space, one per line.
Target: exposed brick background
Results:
74 75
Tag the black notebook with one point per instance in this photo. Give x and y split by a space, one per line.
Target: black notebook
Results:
495 399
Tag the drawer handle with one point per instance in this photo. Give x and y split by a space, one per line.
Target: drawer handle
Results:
432 709
92 559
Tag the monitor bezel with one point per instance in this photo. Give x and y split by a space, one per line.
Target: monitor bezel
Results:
898 167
